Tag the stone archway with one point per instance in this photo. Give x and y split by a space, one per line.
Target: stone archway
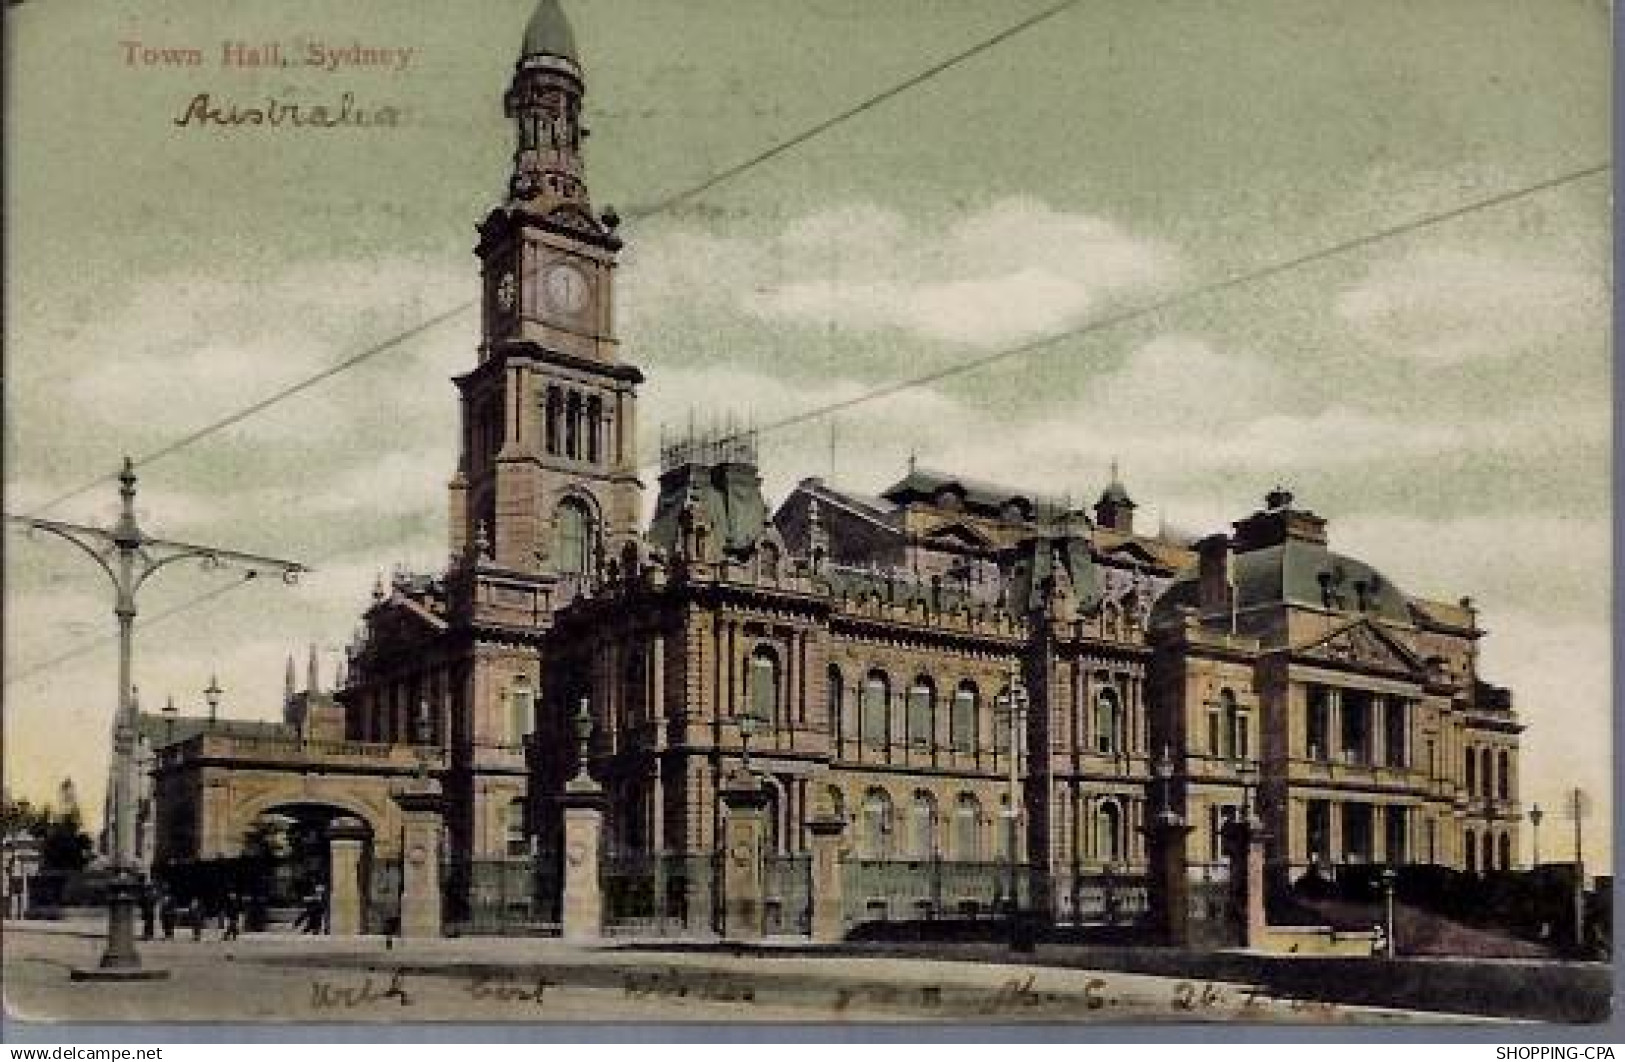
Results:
327 853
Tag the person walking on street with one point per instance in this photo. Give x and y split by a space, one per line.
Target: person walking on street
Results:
194 913
232 916
166 914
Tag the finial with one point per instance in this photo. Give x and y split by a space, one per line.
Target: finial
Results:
211 694
377 590
1279 498
169 705
126 475
913 461
1115 475
583 726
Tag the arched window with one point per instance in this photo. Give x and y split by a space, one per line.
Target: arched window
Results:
922 712
555 412
1506 851
1503 776
876 698
1472 771
1002 722
763 685
572 426
1470 850
1108 832
518 845
521 711
595 417
575 537
1108 719
967 829
835 802
1489 851
1237 743
962 718
836 693
923 826
876 842
1486 773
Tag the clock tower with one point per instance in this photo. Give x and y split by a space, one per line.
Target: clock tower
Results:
547 476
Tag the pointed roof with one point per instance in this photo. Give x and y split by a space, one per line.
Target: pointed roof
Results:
549 33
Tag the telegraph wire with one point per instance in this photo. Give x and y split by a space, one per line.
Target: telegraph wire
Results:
661 206
1151 309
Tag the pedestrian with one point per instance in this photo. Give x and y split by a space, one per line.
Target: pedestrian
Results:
317 922
166 914
147 905
232 916
194 912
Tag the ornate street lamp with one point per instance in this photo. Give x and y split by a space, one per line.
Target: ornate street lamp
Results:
749 723
1388 877
1535 815
129 557
211 696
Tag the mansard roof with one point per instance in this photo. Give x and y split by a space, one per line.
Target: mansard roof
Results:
922 484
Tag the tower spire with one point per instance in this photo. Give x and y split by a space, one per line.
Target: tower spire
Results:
287 682
544 103
313 682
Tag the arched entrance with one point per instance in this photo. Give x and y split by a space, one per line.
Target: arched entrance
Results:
314 866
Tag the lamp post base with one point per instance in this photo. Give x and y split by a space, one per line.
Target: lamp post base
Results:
120 961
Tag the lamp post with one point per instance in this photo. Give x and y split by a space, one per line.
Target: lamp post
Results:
748 724
211 697
1388 877
129 557
1015 705
1535 815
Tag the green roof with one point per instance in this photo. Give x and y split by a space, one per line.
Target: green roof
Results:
549 32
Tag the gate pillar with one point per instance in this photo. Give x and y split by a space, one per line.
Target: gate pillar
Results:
420 858
345 837
1246 838
828 901
745 799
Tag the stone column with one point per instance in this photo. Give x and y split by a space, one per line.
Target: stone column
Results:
742 856
1245 838
421 806
828 901
345 838
582 908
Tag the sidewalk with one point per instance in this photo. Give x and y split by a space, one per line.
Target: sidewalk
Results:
824 984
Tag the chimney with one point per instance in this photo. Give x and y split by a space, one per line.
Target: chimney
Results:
1213 574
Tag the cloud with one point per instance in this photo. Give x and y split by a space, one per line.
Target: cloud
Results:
1014 271
1444 307
191 349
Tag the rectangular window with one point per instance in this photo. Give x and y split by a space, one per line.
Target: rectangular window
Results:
1240 738
1318 722
1215 747
1395 732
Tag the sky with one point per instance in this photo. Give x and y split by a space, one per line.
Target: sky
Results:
1442 397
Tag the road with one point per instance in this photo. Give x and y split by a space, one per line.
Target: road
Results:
288 978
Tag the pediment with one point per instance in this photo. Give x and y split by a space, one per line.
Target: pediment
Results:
1365 646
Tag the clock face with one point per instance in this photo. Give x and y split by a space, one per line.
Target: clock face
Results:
566 289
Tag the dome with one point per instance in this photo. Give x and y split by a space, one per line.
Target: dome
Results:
549 33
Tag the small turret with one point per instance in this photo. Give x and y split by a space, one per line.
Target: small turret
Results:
1115 509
